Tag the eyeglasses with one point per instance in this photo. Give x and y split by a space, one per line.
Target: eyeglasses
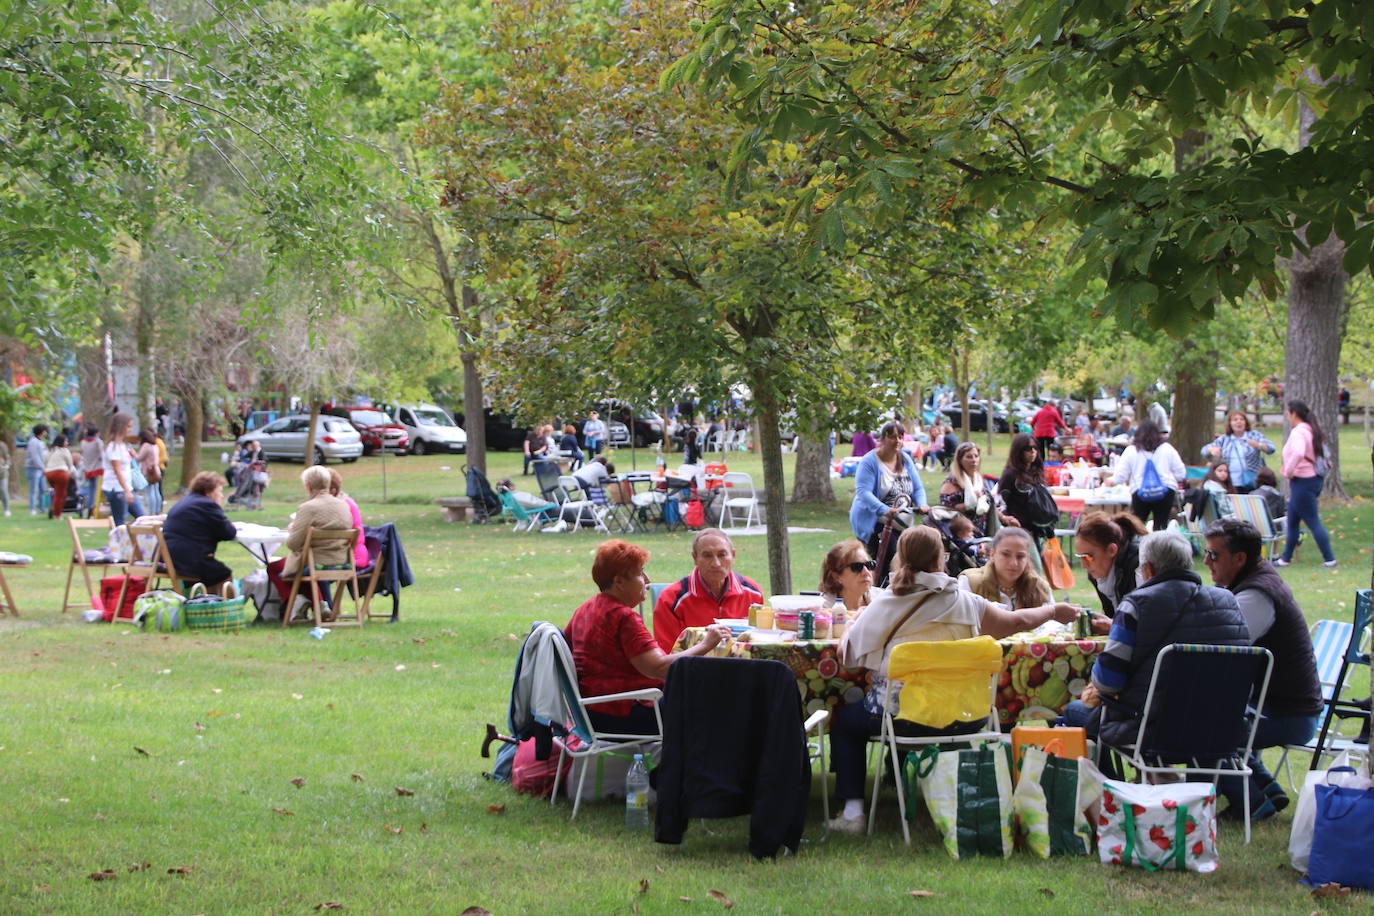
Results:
1211 556
1083 556
857 568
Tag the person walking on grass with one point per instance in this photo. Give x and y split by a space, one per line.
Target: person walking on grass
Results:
1305 464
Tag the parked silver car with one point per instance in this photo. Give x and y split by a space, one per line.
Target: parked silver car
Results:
285 438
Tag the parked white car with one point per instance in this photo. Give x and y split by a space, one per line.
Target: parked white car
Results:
431 429
285 438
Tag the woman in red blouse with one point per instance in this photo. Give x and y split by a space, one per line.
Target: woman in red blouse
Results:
611 648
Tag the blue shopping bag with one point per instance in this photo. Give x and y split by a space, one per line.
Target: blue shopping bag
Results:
1342 838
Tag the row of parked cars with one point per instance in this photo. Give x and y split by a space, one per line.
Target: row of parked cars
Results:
346 433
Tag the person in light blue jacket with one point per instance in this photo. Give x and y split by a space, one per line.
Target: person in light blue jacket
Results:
1240 447
885 483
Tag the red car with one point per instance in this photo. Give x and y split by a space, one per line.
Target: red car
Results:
378 431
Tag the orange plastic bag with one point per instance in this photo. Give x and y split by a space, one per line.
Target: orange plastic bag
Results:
1057 569
1059 741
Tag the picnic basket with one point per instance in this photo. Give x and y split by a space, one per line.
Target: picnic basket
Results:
220 614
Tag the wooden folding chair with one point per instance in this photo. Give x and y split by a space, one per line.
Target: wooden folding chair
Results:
75 526
345 574
6 599
372 580
152 567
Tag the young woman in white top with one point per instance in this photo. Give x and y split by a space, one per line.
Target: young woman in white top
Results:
115 461
1150 448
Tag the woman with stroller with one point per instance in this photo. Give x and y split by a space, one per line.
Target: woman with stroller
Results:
60 473
250 468
886 485
969 493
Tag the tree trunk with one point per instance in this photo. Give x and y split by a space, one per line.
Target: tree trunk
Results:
774 485
811 477
472 382
1194 416
1316 315
93 386
195 426
309 456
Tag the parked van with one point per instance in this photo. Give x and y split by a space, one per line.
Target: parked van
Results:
431 429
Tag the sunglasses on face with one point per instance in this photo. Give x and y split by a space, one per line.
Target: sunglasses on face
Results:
857 568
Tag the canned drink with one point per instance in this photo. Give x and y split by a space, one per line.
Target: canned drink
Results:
806 625
1083 627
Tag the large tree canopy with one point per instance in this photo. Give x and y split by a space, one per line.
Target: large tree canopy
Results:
1012 99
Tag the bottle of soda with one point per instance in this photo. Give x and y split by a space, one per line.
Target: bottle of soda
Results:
637 796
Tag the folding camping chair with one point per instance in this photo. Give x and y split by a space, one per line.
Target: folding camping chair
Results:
79 561
1356 653
1197 718
1253 509
1329 640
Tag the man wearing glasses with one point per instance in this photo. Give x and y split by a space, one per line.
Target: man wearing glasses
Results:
1235 557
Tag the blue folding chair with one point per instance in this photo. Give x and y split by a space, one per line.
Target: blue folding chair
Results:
1329 639
1354 654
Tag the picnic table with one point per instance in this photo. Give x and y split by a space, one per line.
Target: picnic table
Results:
1040 673
1080 499
260 540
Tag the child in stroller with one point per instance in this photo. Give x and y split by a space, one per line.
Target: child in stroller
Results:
962 549
252 480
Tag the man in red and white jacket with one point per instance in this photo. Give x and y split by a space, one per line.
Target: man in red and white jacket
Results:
711 590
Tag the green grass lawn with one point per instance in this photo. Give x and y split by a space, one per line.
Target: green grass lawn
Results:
120 747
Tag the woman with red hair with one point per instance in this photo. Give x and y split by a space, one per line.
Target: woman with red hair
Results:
612 650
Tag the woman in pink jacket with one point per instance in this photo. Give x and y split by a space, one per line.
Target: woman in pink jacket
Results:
1305 465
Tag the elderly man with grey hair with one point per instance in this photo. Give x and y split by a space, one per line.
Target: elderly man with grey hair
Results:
1171 605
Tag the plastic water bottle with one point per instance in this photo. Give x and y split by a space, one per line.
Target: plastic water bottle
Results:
637 796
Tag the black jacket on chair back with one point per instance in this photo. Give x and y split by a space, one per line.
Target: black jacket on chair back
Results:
733 745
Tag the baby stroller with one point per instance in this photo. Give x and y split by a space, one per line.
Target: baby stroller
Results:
957 558
252 480
485 502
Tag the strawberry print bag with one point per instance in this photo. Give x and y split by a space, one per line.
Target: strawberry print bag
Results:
1159 827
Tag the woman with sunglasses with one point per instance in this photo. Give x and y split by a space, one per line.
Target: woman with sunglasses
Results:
1109 549
847 576
885 484
1022 490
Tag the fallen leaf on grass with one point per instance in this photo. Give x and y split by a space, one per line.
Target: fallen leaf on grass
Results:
660 869
475 911
214 712
199 727
921 893
107 874
390 829
495 809
418 640
720 898
403 791
1048 892
298 782
297 696
644 885
634 906
140 866
358 777
424 828
142 751
99 816
42 888
181 870
329 905
685 899
1331 889
283 811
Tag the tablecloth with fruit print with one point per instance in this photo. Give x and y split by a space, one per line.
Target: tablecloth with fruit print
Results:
823 682
1039 674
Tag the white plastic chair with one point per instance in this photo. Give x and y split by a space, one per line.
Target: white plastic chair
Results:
750 503
593 743
895 742
573 497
